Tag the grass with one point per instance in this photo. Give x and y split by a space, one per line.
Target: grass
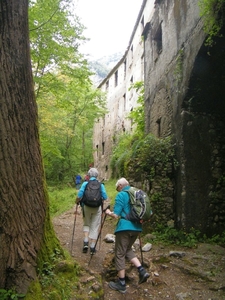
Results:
63 198
110 187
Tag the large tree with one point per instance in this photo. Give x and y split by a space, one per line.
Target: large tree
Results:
67 101
24 217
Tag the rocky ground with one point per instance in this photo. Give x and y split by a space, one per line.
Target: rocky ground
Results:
176 273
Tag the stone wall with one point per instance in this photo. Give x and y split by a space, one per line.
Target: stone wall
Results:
184 97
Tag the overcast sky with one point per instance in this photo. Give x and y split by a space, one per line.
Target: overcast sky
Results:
109 24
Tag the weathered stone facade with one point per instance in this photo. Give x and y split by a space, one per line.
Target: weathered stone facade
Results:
120 99
184 94
184 98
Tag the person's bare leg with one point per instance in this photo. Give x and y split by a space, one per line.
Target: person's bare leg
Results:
85 246
143 274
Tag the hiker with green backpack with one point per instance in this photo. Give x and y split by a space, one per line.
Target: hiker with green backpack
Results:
91 196
126 232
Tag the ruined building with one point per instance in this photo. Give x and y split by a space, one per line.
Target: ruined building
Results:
184 98
120 99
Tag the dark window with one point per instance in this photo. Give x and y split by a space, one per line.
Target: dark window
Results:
103 148
158 40
142 22
107 85
116 78
159 126
125 68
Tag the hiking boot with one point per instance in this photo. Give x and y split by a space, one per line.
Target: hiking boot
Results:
85 247
92 250
143 276
117 286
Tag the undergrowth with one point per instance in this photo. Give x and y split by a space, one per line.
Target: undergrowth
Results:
173 236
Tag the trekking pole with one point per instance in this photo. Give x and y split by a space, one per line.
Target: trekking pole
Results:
74 228
102 213
101 225
142 261
99 234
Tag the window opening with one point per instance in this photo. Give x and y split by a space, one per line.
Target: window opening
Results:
116 78
107 85
103 148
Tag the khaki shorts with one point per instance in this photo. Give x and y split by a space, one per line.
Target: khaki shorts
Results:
124 241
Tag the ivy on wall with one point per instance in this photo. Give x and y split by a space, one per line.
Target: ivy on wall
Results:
212 12
137 156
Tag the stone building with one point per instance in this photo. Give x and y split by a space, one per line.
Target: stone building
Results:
120 99
184 98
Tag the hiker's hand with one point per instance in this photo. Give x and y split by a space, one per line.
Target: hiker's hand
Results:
78 201
108 212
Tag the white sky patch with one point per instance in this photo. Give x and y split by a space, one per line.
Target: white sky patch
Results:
109 25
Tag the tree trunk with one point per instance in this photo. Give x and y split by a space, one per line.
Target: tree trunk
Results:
23 200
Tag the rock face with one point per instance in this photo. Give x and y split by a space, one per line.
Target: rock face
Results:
184 97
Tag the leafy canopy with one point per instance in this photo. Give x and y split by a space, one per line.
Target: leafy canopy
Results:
67 101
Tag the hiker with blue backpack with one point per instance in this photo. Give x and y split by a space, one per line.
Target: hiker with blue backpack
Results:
91 196
126 233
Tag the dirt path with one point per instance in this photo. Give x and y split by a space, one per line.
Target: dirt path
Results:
183 275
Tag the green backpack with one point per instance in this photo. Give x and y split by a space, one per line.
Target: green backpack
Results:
141 210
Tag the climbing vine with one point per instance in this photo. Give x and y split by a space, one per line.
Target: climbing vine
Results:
212 12
137 115
138 156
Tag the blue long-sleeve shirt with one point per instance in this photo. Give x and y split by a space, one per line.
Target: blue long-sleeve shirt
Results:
83 186
122 208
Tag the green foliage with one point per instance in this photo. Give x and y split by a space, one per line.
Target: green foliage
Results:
150 153
121 153
137 115
168 236
172 236
218 239
139 158
58 279
212 12
67 101
110 186
61 199
10 294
